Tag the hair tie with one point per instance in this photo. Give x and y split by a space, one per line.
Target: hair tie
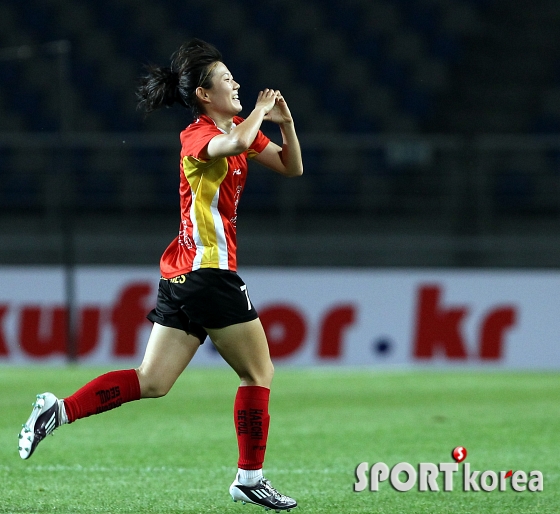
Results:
173 78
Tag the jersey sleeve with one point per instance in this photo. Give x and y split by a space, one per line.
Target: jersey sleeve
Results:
196 137
259 143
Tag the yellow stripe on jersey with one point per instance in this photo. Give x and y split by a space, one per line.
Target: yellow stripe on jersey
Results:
205 179
251 154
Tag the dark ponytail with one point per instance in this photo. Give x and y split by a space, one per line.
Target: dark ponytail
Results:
191 67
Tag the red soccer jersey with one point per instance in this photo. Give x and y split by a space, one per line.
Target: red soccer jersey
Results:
209 193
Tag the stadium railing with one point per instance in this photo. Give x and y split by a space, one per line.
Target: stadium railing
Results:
364 200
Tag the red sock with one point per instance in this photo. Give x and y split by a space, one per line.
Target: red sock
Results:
251 423
104 393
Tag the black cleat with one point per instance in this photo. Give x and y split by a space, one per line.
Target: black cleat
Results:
43 420
262 494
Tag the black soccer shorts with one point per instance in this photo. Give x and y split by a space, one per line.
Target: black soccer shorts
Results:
205 298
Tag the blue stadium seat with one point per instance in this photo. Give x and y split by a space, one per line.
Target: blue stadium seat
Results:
554 160
137 47
513 190
376 162
112 15
417 102
189 17
35 16
167 191
291 42
346 17
313 161
420 17
364 124
367 44
445 47
260 191
19 191
5 159
346 21
21 98
269 15
331 194
151 161
546 124
393 74
97 191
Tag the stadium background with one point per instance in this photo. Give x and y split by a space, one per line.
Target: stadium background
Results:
429 130
423 235
429 133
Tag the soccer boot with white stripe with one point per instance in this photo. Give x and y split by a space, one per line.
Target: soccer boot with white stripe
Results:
45 417
263 494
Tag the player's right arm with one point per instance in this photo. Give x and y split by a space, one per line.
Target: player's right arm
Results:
242 136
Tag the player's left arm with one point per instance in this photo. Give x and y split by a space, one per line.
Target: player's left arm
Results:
285 160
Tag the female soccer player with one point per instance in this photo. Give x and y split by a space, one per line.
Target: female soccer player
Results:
200 292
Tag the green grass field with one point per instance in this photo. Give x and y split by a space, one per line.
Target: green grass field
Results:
178 454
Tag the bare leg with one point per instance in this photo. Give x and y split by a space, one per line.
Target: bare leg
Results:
244 347
168 353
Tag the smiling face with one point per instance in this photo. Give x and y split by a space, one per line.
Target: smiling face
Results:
223 97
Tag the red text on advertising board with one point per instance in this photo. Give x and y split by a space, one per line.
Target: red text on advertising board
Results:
286 329
42 330
439 328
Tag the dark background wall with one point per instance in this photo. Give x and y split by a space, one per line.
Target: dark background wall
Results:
428 127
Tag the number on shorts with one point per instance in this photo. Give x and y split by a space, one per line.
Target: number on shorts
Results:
244 288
